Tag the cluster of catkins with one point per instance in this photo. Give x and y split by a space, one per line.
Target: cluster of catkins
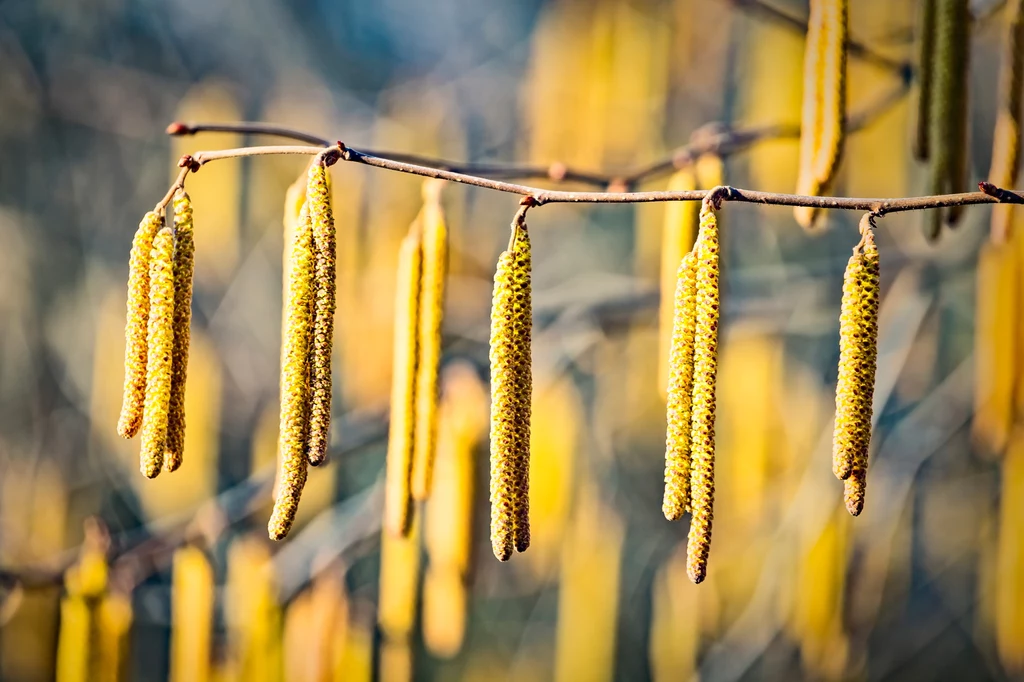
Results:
159 315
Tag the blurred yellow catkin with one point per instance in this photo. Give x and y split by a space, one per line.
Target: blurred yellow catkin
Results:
251 612
675 622
823 121
677 237
995 350
78 656
676 499
310 624
399 582
1006 139
184 268
1009 573
318 201
159 353
431 313
113 622
353 650
136 326
192 601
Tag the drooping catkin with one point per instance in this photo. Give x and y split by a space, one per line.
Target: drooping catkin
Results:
193 597
184 268
318 200
295 381
1006 139
677 237
676 500
926 52
705 369
397 496
159 352
431 312
823 119
511 388
135 328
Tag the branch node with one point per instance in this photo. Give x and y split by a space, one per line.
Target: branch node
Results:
187 161
179 128
332 155
1004 196
717 195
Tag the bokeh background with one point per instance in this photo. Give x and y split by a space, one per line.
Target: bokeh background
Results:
927 584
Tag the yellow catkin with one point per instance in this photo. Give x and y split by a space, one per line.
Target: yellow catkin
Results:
192 604
184 269
399 582
135 328
858 355
680 394
79 657
1009 570
995 347
160 350
677 237
431 312
926 51
444 612
705 369
822 123
397 498
511 388
113 622
294 382
1006 140
318 200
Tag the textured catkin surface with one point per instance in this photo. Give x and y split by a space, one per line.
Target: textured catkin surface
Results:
160 349
677 238
676 500
511 388
318 200
705 369
294 382
184 269
136 326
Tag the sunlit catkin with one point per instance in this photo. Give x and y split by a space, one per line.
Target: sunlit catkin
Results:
184 268
705 369
822 124
294 382
160 350
318 200
677 237
192 604
135 328
995 346
680 393
397 497
511 387
431 311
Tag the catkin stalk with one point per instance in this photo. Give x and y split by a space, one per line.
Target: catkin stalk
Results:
677 237
318 199
676 500
160 350
135 328
184 269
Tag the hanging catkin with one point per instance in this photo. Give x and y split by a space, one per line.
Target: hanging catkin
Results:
822 124
705 369
1006 138
184 268
511 387
431 311
295 381
677 237
160 350
680 394
397 499
926 52
318 201
135 328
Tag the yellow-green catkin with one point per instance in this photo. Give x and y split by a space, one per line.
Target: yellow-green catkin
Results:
324 246
184 269
823 120
397 496
858 352
511 388
676 501
705 370
431 313
135 328
159 353
295 382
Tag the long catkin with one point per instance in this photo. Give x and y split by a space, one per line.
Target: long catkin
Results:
184 269
926 53
677 237
397 497
318 200
160 350
511 388
705 369
136 323
676 500
431 312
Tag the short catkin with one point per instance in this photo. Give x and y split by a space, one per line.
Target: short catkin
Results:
136 324
159 352
397 494
705 369
676 500
318 200
511 388
677 237
184 269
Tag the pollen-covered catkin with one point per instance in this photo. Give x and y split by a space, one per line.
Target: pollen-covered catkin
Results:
184 268
160 350
677 237
511 388
135 328
295 382
397 496
705 369
676 501
318 199
431 311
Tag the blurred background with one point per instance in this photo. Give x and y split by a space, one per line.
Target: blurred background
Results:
105 575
